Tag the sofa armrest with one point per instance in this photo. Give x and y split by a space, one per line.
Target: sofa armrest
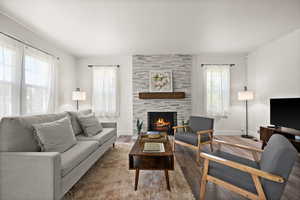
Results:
30 175
109 125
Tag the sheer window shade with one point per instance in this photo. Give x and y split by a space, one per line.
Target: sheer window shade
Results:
106 91
39 82
10 76
217 83
27 79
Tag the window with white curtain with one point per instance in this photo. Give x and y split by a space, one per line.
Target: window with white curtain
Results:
105 91
10 76
217 84
38 78
27 79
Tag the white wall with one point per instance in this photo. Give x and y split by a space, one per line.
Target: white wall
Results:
231 125
66 79
235 121
84 82
273 71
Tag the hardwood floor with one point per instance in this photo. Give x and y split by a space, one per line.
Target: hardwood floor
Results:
187 160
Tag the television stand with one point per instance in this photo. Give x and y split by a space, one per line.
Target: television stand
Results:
289 133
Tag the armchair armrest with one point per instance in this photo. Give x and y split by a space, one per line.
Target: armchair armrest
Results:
220 142
243 168
205 131
30 175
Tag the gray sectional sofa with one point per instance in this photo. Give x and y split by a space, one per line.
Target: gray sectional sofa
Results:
28 174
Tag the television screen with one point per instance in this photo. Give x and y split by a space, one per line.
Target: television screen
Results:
285 112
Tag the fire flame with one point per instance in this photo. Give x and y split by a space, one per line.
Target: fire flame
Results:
162 122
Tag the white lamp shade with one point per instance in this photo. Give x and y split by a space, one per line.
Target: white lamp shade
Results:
245 95
78 96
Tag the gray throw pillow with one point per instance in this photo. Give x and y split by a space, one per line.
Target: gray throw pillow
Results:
74 119
90 125
57 136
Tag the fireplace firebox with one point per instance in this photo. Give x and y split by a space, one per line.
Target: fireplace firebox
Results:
162 121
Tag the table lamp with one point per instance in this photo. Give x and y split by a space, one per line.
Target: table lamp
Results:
78 96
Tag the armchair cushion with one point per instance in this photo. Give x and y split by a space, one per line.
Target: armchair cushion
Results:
187 137
231 175
191 137
278 158
198 123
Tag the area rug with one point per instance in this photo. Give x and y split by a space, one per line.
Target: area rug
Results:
110 179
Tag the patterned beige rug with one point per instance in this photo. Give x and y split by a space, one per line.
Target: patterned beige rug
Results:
110 179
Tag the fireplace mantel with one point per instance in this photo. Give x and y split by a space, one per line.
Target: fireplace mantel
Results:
161 95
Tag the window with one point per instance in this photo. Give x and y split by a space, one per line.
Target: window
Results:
10 61
217 82
105 91
37 82
27 79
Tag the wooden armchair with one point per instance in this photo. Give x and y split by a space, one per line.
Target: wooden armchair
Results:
260 179
198 133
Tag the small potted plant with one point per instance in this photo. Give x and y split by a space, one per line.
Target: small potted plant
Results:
139 126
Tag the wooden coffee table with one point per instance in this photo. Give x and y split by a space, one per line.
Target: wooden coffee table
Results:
139 160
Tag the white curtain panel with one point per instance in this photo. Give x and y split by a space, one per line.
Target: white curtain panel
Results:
217 84
10 76
106 91
28 82
39 82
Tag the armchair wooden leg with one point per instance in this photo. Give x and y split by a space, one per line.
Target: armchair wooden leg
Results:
198 154
259 188
174 144
204 180
211 147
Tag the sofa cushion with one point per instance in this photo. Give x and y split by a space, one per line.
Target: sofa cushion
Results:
57 136
75 123
102 137
16 133
90 125
231 175
77 154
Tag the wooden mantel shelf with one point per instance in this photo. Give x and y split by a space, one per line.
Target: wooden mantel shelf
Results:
161 95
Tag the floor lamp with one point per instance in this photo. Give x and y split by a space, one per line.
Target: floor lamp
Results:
78 96
246 96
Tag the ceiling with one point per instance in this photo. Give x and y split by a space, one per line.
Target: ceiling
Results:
101 27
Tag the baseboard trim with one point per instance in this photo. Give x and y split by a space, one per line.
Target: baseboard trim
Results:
227 132
254 133
124 132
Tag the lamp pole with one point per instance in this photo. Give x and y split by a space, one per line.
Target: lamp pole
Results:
246 129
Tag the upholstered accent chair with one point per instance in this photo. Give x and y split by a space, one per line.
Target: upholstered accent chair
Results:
198 133
260 179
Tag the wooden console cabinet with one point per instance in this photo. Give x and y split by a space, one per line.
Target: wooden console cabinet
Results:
266 133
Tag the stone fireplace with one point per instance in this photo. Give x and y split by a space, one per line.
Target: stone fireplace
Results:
162 121
181 66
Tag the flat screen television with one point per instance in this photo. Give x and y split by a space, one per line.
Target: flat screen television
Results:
285 112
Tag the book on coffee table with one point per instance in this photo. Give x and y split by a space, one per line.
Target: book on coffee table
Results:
153 147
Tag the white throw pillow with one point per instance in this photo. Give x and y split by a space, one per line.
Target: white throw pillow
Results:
57 136
90 125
